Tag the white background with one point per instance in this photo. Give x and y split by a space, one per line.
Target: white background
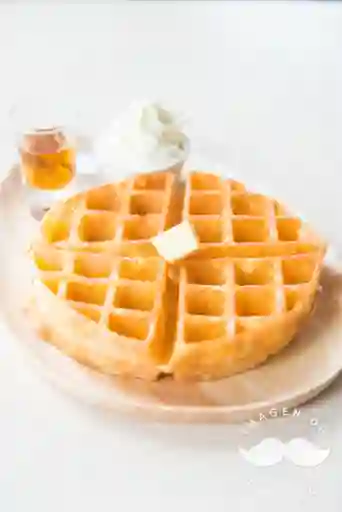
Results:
264 80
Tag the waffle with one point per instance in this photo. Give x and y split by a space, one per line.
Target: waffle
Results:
107 298
232 222
114 218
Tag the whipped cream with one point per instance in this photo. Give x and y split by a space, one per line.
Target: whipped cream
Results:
146 137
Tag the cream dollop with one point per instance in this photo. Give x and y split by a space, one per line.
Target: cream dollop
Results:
147 137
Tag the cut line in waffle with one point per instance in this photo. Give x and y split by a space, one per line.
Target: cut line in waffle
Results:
112 303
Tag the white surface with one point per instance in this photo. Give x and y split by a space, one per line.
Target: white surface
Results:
264 79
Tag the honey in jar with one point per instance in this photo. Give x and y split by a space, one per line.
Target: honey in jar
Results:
47 159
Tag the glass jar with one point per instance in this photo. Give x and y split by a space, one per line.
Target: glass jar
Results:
47 150
47 158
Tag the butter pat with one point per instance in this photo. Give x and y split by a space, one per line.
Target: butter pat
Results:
177 242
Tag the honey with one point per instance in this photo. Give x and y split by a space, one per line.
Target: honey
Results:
47 159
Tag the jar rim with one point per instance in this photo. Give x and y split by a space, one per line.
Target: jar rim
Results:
44 130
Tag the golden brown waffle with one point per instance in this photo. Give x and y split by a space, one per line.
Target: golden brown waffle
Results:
223 310
114 218
230 221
